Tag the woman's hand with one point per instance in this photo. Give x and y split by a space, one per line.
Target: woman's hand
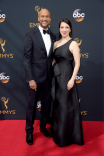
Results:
70 84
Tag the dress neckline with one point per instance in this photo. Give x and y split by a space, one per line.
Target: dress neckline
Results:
63 44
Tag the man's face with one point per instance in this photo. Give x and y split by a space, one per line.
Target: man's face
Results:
44 18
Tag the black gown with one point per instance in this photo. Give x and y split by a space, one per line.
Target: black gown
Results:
67 123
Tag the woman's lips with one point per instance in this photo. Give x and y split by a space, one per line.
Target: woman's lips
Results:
64 33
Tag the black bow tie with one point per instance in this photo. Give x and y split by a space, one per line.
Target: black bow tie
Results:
46 31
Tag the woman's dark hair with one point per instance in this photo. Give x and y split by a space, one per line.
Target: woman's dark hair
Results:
65 20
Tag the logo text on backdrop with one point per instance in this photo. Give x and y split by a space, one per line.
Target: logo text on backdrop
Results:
3 78
4 55
78 16
78 79
2 17
5 101
2 44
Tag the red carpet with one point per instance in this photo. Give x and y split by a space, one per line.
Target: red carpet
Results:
12 141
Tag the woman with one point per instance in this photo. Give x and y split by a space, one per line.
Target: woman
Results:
67 124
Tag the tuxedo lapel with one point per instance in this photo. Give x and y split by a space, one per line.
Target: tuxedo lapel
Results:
40 39
51 48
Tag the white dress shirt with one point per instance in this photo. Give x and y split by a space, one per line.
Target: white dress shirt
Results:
46 39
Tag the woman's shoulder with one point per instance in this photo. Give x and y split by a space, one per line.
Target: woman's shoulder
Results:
73 43
73 46
55 44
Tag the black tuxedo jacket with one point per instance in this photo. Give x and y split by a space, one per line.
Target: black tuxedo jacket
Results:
36 62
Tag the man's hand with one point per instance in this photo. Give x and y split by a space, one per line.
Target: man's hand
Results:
33 85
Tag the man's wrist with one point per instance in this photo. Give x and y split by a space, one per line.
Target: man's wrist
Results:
30 80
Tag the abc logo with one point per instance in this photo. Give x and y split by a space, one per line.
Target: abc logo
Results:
39 105
4 79
78 79
2 17
78 16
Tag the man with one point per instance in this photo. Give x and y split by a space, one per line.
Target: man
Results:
38 52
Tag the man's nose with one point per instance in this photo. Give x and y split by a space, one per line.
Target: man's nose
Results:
44 18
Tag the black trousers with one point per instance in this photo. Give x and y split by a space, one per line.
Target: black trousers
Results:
45 90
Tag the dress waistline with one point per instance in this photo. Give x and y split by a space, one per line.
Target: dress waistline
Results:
64 61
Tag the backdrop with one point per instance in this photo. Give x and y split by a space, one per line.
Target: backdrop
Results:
18 17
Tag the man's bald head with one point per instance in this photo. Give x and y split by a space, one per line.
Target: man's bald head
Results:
44 18
43 11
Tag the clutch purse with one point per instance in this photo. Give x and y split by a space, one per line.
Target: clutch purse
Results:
56 69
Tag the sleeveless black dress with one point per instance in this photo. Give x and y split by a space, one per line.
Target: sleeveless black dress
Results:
67 123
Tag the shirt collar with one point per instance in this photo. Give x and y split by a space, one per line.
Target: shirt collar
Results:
41 29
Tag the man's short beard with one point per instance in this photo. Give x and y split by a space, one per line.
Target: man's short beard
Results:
44 26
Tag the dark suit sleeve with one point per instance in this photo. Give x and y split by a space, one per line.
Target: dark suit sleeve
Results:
27 57
54 38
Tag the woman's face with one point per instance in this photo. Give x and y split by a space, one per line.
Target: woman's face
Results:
64 29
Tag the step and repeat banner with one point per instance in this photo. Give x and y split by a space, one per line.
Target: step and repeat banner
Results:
20 16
